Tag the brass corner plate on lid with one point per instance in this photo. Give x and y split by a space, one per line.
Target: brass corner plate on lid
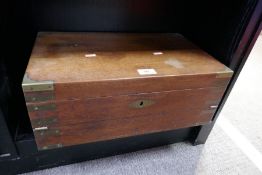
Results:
30 85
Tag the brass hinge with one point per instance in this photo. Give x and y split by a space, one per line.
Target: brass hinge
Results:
30 85
46 107
59 145
43 122
39 97
45 132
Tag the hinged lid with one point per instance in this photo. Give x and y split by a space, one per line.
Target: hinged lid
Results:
88 65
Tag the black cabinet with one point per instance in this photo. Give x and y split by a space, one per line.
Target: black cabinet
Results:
226 30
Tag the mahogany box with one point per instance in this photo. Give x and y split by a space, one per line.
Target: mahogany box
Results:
88 87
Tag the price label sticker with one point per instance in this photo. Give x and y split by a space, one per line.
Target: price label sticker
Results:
146 71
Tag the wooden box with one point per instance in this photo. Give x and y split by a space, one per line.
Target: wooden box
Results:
88 87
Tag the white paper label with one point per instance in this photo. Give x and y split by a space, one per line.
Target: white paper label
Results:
90 55
146 71
158 53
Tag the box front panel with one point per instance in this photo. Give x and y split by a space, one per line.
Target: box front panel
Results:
71 122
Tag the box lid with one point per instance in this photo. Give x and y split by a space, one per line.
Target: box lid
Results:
105 64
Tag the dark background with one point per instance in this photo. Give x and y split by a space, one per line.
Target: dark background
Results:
215 26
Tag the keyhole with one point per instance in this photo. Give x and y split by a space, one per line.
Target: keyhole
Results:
141 103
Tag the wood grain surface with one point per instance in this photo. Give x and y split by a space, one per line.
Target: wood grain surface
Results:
61 57
96 119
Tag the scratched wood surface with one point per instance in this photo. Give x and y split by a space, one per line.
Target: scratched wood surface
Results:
96 82
67 57
97 119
